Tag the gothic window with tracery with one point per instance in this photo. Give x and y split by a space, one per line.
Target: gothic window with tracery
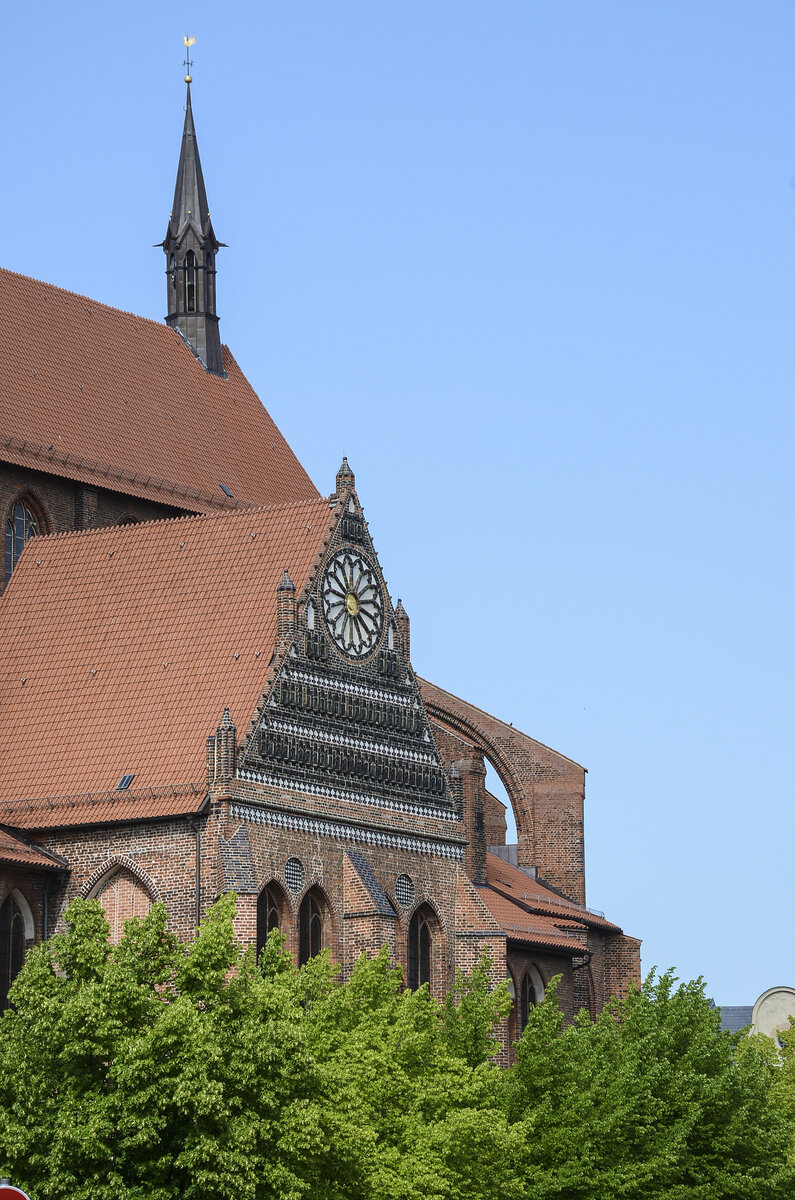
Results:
269 909
310 927
22 523
12 946
420 949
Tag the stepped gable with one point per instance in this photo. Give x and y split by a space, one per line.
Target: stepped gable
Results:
117 401
120 649
345 716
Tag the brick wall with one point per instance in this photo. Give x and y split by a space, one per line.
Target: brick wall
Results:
160 855
545 788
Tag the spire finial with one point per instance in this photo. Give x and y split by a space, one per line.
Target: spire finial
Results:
345 477
189 41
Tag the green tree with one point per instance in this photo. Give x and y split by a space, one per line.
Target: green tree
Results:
649 1100
151 1069
154 1069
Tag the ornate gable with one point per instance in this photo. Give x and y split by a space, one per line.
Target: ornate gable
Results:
344 716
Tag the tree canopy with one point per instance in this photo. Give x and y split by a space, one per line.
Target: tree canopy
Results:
154 1069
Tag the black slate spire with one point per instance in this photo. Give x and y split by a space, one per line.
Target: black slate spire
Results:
191 245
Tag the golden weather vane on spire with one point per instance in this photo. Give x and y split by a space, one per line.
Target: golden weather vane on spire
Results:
189 41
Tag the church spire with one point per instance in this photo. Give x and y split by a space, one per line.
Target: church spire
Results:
191 245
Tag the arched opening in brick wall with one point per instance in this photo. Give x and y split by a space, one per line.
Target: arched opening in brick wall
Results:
314 925
122 896
545 789
423 949
527 990
25 519
497 800
12 945
272 910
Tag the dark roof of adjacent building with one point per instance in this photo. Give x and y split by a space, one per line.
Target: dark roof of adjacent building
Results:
121 647
116 401
734 1017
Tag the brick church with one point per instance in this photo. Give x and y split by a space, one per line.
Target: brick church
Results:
206 685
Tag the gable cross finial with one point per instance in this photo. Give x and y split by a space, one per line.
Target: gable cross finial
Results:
189 41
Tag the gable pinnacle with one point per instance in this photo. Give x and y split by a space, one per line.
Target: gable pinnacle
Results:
345 476
286 584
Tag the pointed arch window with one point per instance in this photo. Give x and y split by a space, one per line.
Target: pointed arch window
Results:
529 994
524 1002
190 282
12 946
420 949
122 896
22 524
270 905
310 927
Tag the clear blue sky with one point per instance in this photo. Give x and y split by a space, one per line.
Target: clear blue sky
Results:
531 266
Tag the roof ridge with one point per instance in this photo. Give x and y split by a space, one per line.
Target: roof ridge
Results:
34 803
125 312
184 517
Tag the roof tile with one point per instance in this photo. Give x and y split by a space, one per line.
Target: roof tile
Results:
505 877
121 402
121 647
21 853
527 927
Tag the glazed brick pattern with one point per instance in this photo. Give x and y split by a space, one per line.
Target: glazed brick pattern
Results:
236 865
328 867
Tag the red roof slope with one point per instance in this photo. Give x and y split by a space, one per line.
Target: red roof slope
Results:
121 402
13 850
527 891
528 927
119 649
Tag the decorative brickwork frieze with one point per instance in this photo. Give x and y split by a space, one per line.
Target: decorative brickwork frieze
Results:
344 715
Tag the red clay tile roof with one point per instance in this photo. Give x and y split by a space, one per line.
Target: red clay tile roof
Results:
102 396
119 649
509 879
19 853
528 927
